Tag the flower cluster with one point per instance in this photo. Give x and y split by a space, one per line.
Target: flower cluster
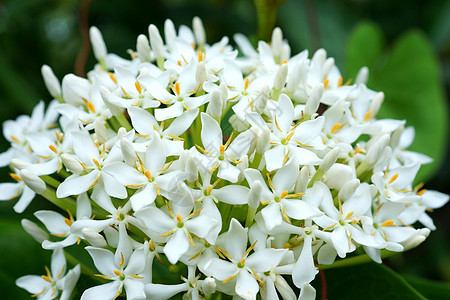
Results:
237 169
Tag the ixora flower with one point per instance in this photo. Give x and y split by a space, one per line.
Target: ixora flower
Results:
221 168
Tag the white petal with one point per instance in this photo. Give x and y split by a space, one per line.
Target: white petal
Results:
113 187
340 241
68 241
228 172
124 248
271 215
300 210
155 156
220 269
143 197
263 259
75 184
155 220
304 156
308 130
285 178
211 134
176 246
85 148
246 285
154 87
84 209
274 157
163 291
304 270
284 113
234 241
142 120
307 292
32 283
173 111
200 226
232 194
104 291
9 190
103 260
182 123
53 221
124 173
58 263
24 200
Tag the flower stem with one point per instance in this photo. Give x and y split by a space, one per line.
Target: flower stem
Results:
250 216
266 13
63 203
355 260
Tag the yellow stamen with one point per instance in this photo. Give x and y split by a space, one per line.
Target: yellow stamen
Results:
138 87
286 158
195 213
340 80
230 278
214 168
94 183
62 271
283 194
265 202
96 162
158 191
285 215
179 63
15 176
294 195
134 186
118 293
276 124
289 136
186 106
113 78
325 82
47 270
329 227
350 240
270 182
393 178
247 81
193 45
15 139
304 145
53 148
224 253
68 222
219 253
349 215
222 149
177 88
177 138
141 135
335 128
125 93
359 150
167 167
190 238
367 115
229 140
179 220
135 276
46 278
40 293
249 249
378 208
91 107
167 233
421 192
418 187
202 150
284 62
200 56
151 245
148 175
387 223
170 210
257 277
97 143
122 260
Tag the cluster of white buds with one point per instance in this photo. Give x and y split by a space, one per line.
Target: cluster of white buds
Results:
237 171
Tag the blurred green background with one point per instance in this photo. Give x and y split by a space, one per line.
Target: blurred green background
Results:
406 45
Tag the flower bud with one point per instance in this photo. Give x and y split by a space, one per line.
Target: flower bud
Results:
417 239
262 141
329 159
33 181
34 230
254 197
98 44
377 149
302 180
170 34
307 292
285 52
319 57
297 76
395 137
224 91
209 286
128 152
215 105
143 48
238 124
348 189
71 164
192 169
93 237
327 66
156 41
115 110
313 102
18 164
280 77
75 89
199 31
260 102
100 131
277 44
51 82
362 76
200 74
284 288
376 102
337 175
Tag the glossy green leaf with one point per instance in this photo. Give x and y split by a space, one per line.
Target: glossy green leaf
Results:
409 75
430 289
366 281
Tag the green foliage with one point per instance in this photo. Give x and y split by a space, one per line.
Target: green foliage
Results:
408 74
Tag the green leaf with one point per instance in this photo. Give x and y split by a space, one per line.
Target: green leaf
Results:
367 281
409 76
21 255
428 288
